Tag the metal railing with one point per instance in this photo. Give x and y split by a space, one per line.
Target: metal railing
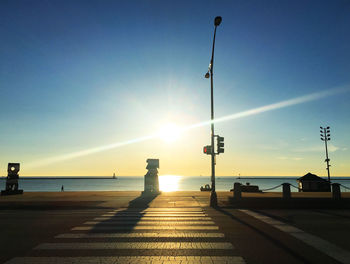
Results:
345 187
269 189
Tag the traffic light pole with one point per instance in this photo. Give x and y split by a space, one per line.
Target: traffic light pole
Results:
213 196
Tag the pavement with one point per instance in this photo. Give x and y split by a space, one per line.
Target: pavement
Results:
175 227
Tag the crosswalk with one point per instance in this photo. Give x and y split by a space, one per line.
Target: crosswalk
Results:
132 235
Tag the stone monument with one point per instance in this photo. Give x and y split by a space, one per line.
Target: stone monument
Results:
12 180
151 177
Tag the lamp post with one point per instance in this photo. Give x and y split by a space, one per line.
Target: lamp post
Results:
325 136
213 196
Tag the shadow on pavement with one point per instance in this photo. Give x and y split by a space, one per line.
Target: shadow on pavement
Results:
126 219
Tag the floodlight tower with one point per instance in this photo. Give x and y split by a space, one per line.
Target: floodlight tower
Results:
213 196
326 136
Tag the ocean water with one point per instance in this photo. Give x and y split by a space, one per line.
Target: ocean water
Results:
167 183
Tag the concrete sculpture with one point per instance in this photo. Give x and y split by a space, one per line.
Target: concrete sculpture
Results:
151 177
12 180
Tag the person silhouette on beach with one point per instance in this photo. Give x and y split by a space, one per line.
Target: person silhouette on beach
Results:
62 188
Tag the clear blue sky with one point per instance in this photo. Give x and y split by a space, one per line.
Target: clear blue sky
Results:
81 74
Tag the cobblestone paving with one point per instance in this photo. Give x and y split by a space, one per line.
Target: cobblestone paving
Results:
152 235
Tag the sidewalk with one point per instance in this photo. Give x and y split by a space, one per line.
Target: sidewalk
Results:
64 200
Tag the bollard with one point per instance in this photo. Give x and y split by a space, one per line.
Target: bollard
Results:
336 191
286 191
237 193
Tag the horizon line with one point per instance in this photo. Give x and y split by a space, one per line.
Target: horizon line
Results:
111 177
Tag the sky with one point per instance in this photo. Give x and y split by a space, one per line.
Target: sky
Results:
86 85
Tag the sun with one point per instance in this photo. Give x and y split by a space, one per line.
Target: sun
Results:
169 132
169 183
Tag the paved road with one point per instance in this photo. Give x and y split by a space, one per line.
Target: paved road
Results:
132 235
173 235
21 230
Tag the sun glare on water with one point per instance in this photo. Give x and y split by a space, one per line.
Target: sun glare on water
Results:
169 133
169 183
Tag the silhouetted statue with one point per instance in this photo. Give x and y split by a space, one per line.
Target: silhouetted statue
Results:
151 177
12 180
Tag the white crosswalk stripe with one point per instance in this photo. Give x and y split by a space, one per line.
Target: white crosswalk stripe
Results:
155 214
154 218
143 234
144 227
129 259
188 232
160 209
150 222
137 245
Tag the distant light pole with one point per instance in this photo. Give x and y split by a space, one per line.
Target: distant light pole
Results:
213 196
325 136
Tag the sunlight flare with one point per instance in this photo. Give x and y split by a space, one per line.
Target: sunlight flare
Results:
171 132
275 106
169 183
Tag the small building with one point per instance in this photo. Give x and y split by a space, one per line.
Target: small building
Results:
312 183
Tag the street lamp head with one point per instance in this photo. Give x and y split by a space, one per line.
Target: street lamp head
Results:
217 20
207 75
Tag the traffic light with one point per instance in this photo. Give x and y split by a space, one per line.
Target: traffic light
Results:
220 144
207 150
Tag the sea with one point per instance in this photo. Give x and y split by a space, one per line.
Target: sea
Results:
166 182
